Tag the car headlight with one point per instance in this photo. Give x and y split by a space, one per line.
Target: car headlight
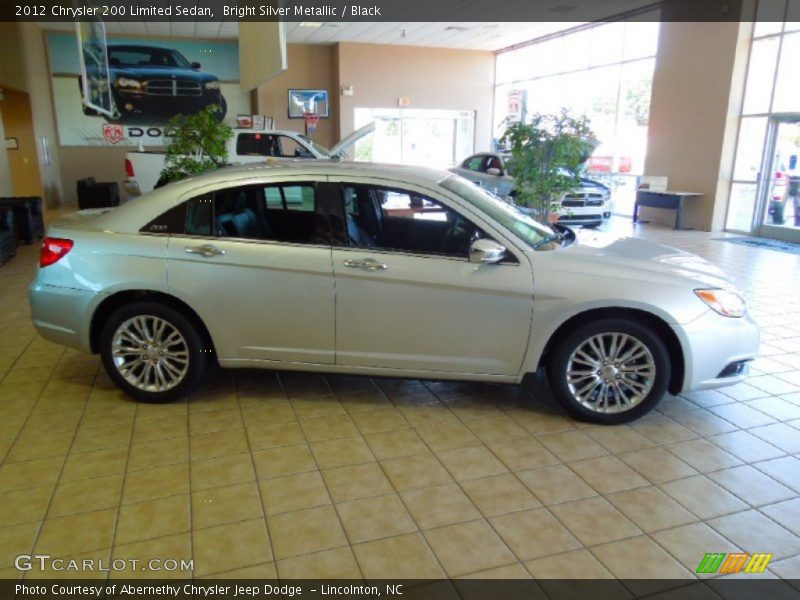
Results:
128 83
726 302
212 85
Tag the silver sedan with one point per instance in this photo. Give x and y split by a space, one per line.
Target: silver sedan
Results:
382 271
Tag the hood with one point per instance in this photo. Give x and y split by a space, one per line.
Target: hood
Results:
341 148
145 73
594 249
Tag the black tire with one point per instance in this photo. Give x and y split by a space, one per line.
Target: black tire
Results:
559 360
197 351
162 181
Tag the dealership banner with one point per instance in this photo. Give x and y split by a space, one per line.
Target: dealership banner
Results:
139 86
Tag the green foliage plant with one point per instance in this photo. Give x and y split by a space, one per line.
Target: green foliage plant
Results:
197 143
548 152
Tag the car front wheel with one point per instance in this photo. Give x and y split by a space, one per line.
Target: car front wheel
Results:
152 352
610 371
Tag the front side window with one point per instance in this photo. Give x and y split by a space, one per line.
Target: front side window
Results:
473 163
401 220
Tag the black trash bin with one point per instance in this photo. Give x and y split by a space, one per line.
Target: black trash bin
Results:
97 194
8 238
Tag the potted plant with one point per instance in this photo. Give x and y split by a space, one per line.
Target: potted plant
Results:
547 157
197 143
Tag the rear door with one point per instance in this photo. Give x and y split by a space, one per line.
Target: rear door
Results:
408 298
254 261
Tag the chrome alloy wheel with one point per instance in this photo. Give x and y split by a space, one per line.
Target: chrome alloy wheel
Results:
150 353
610 372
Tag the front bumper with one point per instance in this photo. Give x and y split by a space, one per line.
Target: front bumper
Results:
137 106
59 314
714 344
583 214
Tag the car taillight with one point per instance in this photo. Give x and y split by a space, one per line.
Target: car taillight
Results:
129 168
53 250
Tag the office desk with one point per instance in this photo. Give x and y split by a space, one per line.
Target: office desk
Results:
666 199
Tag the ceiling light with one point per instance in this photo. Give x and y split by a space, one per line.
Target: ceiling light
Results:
456 28
310 24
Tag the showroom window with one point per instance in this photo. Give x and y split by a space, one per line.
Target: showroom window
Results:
603 71
761 199
412 136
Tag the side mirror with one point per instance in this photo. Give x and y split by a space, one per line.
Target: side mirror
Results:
494 171
486 251
195 65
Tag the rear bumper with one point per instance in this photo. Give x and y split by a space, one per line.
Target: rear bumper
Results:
717 344
59 314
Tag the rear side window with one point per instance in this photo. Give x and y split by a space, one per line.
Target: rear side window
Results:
192 217
284 213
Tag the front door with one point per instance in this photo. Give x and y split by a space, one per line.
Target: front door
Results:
255 263
406 295
779 212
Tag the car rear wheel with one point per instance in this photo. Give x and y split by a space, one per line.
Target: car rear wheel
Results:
152 352
609 371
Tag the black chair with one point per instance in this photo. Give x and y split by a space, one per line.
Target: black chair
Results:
97 194
28 216
8 237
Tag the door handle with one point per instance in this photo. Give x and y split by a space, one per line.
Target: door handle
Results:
367 264
206 250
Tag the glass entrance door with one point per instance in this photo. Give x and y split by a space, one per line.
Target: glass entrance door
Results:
779 204
429 138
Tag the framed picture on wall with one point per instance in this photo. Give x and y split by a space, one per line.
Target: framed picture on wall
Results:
308 101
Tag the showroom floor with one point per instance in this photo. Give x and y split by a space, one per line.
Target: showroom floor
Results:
310 476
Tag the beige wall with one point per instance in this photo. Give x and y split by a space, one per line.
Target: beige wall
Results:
310 67
24 67
429 77
23 161
697 91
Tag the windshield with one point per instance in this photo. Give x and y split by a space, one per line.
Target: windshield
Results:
527 228
321 150
132 56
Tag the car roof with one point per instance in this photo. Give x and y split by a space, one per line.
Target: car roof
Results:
137 47
135 213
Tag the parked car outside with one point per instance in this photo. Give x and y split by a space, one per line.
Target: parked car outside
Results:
590 205
382 270
152 84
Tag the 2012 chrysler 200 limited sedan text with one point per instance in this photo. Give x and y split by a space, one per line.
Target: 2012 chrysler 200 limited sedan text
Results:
381 271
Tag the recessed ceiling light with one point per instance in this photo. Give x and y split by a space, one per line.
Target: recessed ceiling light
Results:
456 28
310 24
